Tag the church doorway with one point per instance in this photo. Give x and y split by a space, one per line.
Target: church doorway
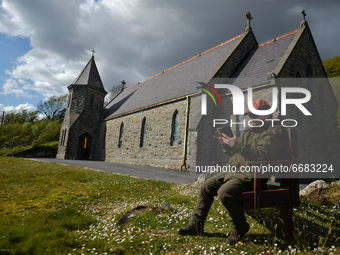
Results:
84 147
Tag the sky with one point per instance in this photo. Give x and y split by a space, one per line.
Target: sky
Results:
44 45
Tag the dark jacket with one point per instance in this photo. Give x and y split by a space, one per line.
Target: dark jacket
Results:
256 143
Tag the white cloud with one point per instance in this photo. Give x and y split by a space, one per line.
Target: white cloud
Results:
12 21
18 108
11 87
139 38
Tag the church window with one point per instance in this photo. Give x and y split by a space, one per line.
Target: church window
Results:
121 135
240 128
310 88
92 102
142 133
321 109
104 138
299 84
174 128
63 136
309 72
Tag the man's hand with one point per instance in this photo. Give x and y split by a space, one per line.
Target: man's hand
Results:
224 139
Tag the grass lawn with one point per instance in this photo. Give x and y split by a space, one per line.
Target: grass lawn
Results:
48 208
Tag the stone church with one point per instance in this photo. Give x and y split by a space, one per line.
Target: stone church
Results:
159 121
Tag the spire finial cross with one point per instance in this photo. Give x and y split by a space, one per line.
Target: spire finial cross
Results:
249 17
93 51
304 15
304 21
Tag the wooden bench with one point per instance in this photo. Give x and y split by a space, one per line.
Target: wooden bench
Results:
286 196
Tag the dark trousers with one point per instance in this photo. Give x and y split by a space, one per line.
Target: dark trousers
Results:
227 193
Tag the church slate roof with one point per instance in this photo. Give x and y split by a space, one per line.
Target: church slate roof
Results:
89 76
258 65
175 82
181 80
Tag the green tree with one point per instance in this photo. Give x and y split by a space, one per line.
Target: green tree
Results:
21 117
54 108
50 133
332 67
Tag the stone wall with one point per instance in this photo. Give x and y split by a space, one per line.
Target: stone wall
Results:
157 150
83 115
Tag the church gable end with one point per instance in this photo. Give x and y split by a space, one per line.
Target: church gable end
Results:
246 44
302 60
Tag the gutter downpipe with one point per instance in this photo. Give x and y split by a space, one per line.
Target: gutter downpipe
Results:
185 149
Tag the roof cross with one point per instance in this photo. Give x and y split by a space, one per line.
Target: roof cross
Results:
304 21
249 17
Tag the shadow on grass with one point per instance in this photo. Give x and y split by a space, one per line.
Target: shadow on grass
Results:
312 226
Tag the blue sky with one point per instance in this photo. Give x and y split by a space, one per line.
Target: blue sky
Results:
11 48
45 44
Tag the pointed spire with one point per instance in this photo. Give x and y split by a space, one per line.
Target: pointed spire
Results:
249 17
89 75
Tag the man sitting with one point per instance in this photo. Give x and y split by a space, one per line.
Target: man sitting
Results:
260 142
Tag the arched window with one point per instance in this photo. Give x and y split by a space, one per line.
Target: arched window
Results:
309 72
321 110
142 133
310 88
92 102
299 84
174 128
65 130
240 128
69 101
120 141
63 136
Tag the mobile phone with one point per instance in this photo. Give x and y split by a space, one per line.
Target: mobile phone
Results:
226 130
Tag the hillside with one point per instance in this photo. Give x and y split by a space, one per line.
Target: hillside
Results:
332 68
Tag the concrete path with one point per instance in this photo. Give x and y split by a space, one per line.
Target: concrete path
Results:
145 172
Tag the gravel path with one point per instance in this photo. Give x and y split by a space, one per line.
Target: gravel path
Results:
146 172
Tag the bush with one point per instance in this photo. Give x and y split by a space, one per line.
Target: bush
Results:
49 134
18 138
43 150
16 134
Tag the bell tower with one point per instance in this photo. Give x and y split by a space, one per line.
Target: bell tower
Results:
83 115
